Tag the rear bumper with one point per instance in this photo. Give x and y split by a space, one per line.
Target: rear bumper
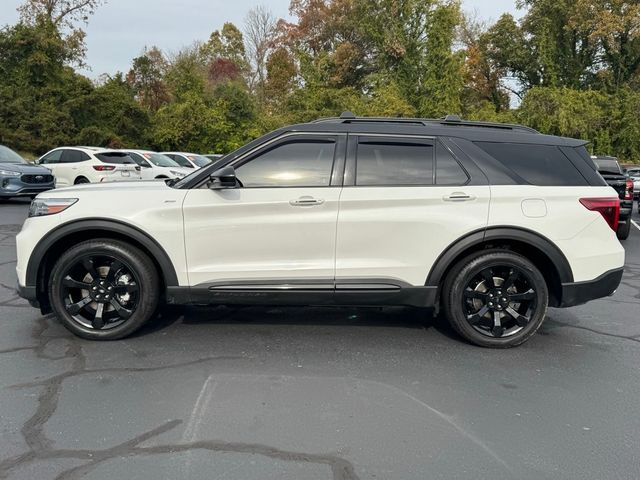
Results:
578 293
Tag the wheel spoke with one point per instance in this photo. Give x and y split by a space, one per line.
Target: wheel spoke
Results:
98 321
74 308
475 294
521 320
487 274
129 288
89 265
71 283
528 295
497 329
113 269
477 317
123 312
513 276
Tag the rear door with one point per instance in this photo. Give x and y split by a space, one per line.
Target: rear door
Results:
405 200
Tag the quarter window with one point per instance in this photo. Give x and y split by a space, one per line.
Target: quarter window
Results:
297 163
394 162
543 165
448 170
73 156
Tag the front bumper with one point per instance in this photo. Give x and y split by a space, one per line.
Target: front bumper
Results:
28 293
578 293
15 187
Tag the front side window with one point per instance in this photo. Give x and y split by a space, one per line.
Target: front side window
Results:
52 157
394 162
296 163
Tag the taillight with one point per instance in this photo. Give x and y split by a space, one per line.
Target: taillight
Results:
628 191
104 168
608 207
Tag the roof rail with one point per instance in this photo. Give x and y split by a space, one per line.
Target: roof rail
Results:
449 120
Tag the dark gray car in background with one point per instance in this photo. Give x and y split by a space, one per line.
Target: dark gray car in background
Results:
18 178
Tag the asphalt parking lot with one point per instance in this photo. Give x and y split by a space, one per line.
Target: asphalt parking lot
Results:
299 393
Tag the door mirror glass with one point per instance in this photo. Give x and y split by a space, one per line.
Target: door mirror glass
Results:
223 178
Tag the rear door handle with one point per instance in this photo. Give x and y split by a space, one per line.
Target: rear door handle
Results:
458 197
306 201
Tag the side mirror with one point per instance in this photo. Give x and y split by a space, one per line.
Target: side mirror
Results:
223 178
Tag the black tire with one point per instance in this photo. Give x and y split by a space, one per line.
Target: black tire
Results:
472 296
162 177
624 229
122 273
81 180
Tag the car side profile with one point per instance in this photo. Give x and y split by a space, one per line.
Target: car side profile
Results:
156 166
489 223
77 165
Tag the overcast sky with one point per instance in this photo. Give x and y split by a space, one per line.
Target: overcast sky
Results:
120 29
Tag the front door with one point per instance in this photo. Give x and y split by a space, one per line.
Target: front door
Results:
278 228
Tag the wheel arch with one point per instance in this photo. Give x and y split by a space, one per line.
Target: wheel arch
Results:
60 239
552 263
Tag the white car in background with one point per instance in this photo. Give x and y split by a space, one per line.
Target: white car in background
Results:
188 160
76 165
156 166
634 174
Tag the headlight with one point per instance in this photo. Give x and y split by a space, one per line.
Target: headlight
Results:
49 206
177 174
9 173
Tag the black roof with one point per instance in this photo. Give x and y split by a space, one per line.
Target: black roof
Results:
450 126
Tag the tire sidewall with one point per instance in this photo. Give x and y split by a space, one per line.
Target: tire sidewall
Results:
471 266
134 259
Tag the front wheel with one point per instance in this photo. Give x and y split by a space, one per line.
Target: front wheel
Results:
104 289
497 299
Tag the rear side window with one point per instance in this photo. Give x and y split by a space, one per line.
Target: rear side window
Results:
543 165
73 156
115 157
394 162
448 170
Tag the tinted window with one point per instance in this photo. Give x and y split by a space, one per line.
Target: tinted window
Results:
543 165
394 162
199 160
448 170
73 156
180 160
9 156
608 166
53 157
114 157
299 163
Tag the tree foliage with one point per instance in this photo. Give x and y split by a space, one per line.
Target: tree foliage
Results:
565 67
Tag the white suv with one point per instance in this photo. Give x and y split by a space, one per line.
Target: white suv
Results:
75 165
156 166
490 223
188 160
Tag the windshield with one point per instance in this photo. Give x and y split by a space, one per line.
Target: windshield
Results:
9 156
160 160
118 158
199 160
608 165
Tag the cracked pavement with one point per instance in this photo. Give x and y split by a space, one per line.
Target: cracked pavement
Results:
318 393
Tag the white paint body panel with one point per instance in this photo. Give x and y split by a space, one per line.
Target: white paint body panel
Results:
590 245
399 232
255 233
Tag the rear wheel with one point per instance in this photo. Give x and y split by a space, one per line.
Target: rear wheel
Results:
497 299
104 289
624 229
81 180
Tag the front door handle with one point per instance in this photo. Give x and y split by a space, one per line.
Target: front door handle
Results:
458 197
306 201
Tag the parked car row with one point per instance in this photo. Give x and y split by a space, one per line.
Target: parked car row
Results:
66 166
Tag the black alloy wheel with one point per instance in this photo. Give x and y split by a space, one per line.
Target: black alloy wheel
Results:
104 289
495 299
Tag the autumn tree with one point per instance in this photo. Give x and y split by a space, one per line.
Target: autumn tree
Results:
260 25
146 78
